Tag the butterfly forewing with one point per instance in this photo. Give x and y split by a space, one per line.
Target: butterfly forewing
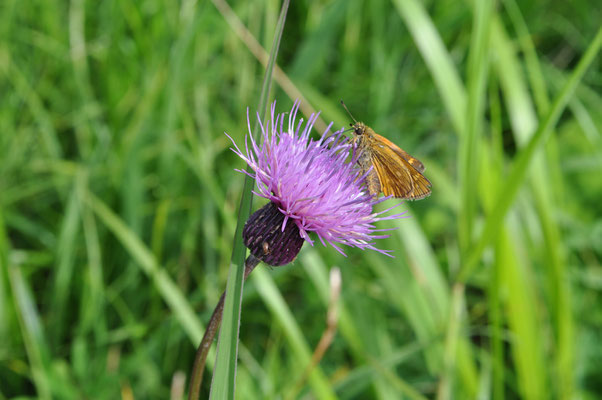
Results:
399 173
382 141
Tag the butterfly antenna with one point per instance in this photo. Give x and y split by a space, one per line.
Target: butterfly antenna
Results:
348 112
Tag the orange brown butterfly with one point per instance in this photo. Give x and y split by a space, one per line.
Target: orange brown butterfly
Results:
394 172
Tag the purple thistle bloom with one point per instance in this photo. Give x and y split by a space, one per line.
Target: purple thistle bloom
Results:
312 183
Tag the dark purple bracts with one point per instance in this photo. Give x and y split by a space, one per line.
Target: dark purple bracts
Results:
266 240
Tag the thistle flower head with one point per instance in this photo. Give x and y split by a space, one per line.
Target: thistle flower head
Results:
313 184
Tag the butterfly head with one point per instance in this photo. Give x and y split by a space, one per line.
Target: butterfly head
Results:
358 128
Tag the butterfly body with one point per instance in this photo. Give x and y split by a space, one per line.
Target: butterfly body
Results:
394 172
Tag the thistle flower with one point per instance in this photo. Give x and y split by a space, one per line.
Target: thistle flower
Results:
312 186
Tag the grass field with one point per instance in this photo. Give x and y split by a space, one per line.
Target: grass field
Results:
119 199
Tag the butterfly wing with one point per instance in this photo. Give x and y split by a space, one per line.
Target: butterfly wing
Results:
398 176
414 162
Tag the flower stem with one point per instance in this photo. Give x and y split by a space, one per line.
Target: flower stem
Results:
203 350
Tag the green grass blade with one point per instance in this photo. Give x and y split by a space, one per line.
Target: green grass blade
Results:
32 333
169 291
470 142
437 59
30 326
95 292
363 375
68 240
522 115
526 344
42 116
268 290
558 282
518 171
536 77
418 288
224 377
350 328
455 322
317 272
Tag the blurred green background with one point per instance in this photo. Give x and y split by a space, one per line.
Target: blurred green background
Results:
118 198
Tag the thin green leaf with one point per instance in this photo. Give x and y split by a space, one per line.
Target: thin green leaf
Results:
437 59
224 377
268 290
168 290
470 141
518 172
526 344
